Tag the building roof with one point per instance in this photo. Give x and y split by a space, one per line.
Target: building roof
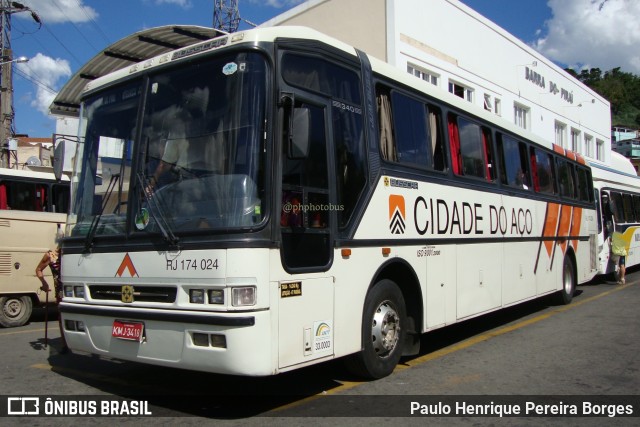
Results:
132 49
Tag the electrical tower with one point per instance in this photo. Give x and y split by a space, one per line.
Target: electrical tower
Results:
226 16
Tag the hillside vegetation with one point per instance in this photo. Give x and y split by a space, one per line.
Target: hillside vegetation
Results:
621 89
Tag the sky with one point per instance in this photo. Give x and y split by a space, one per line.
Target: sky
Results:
575 33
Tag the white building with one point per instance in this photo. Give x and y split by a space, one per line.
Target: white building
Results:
455 48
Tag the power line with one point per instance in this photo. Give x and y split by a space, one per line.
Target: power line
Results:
74 26
62 44
93 21
35 81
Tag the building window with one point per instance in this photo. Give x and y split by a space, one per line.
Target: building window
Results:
588 145
488 102
521 115
462 91
600 149
497 107
492 104
427 76
575 140
561 138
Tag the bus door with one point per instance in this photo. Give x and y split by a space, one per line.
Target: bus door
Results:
306 297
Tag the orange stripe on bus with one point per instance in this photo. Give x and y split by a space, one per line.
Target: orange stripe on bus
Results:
575 226
565 224
551 225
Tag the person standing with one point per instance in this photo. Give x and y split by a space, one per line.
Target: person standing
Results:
618 255
51 259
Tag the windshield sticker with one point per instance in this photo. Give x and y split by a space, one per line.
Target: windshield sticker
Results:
230 68
142 219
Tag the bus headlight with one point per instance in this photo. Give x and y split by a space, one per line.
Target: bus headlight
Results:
243 296
68 291
78 291
216 296
196 296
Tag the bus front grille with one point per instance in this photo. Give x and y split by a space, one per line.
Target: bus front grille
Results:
163 294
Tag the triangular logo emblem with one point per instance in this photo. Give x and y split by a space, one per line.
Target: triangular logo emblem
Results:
127 264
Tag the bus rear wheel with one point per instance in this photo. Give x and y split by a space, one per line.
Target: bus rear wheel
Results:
15 310
565 295
383 332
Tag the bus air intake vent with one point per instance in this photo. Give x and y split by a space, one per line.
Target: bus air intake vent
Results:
162 294
5 264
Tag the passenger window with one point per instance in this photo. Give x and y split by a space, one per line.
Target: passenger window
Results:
542 167
565 179
410 131
627 202
436 138
472 148
584 187
636 207
409 122
514 170
617 207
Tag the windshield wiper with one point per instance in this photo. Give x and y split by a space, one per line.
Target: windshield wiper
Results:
156 212
88 244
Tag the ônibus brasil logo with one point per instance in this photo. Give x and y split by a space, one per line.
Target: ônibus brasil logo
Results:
396 214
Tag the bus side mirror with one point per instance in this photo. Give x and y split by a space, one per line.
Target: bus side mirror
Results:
58 160
296 127
298 144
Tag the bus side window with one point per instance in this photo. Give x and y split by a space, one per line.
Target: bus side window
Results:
636 207
488 154
435 136
3 196
542 168
410 130
472 149
627 203
385 123
514 162
617 207
565 179
584 191
454 145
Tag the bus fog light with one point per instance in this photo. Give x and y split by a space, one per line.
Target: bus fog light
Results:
70 325
200 339
78 291
196 296
216 296
80 326
219 341
68 291
243 296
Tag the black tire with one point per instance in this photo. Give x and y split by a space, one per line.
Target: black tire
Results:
15 310
565 295
384 325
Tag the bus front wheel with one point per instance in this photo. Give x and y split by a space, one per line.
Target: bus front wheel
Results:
15 310
383 332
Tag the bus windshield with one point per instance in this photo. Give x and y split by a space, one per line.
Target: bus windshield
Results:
192 155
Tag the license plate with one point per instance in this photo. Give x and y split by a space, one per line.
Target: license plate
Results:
131 331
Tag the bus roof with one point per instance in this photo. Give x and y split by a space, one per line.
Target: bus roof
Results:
270 34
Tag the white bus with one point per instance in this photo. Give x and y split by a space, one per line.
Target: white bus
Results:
283 199
618 202
33 208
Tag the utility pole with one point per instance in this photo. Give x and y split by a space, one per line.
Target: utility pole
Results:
7 8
